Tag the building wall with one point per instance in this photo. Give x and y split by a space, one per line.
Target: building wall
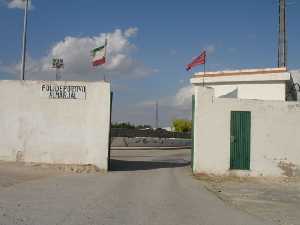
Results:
35 127
263 91
258 85
275 130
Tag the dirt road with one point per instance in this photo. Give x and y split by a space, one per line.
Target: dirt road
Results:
147 187
273 199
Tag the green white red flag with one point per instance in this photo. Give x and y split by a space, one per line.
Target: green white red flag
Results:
99 55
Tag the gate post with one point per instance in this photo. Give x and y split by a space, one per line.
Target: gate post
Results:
109 136
193 127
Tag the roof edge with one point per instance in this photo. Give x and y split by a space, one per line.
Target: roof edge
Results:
241 72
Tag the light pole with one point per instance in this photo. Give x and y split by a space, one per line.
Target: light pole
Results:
57 64
156 115
282 39
24 42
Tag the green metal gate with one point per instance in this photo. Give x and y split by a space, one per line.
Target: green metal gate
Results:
240 135
193 125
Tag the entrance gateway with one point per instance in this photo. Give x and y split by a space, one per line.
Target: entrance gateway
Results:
240 133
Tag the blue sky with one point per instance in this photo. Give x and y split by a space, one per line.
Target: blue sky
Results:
161 37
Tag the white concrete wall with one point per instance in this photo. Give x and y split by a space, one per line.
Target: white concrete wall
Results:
35 128
255 86
262 91
275 132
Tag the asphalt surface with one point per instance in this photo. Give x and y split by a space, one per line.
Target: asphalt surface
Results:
147 187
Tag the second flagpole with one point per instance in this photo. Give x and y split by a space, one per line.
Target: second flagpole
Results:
204 68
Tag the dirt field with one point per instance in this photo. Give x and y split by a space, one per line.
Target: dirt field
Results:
276 200
12 173
151 187
17 173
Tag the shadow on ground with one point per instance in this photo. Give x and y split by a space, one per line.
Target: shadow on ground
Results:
122 165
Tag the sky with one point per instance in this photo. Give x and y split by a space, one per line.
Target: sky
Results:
149 44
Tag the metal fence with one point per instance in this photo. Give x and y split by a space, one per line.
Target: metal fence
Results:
160 133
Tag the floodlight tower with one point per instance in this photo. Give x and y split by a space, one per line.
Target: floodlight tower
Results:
282 37
57 64
156 115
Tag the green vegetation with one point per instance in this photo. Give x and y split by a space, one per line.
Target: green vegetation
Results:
123 125
127 125
182 125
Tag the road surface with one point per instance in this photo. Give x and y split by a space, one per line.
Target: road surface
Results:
147 187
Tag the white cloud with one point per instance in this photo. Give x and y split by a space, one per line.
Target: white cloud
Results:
183 98
131 32
18 4
76 53
210 49
178 105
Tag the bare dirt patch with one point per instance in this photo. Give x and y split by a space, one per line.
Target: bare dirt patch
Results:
273 199
12 173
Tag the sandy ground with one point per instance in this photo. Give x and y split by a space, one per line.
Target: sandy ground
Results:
146 187
12 173
16 173
276 200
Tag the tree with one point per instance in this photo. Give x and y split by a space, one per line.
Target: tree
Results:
123 125
182 125
128 125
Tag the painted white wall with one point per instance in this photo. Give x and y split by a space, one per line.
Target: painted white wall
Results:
34 128
275 129
258 86
262 91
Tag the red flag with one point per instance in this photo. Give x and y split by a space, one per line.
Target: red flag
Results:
200 60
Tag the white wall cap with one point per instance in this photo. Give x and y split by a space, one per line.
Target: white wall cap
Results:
275 77
243 72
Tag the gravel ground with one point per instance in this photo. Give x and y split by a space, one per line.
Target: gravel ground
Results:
149 187
16 173
275 200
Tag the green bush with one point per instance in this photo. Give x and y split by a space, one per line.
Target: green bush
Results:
182 125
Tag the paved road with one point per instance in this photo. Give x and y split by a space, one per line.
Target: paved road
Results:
147 187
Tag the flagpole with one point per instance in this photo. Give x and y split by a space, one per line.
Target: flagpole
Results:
24 42
204 69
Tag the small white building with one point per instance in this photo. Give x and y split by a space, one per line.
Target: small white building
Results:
263 84
243 123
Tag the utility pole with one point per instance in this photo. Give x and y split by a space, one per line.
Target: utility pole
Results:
156 115
57 64
282 37
24 42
